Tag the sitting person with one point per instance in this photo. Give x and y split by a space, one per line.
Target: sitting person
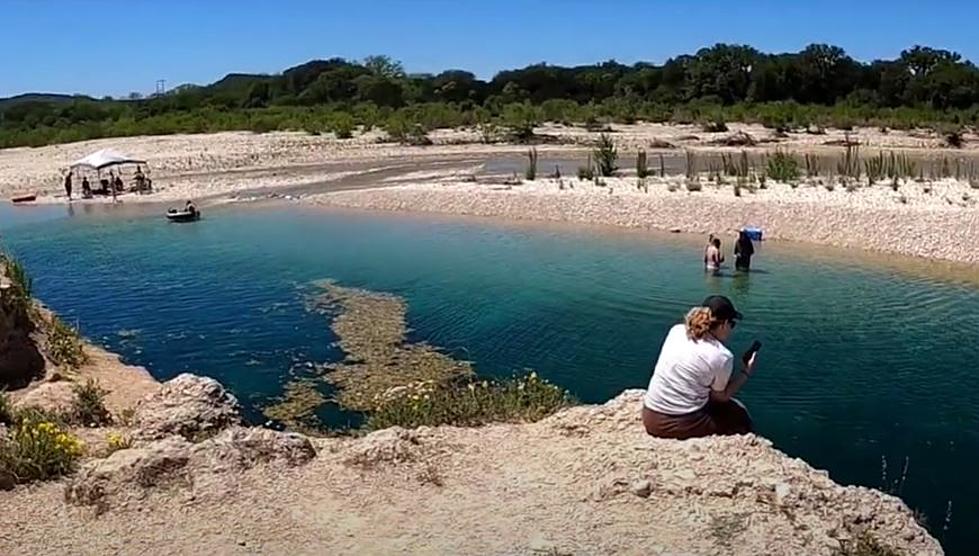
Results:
691 392
190 207
86 188
117 183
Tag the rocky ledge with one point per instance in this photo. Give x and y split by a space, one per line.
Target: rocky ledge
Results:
585 480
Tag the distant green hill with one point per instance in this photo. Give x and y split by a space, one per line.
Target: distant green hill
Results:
40 97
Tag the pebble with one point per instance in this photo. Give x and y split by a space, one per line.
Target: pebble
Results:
642 488
782 491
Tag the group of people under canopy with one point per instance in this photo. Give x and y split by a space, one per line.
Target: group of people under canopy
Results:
112 183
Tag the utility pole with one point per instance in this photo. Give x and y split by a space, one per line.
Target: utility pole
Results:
161 86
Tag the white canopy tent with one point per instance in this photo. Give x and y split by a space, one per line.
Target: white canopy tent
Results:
105 158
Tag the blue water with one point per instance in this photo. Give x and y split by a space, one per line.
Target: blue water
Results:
859 363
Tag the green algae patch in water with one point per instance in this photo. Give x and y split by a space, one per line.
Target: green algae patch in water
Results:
297 408
397 383
371 328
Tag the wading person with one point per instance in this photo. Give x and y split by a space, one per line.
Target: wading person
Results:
691 393
710 243
743 250
713 258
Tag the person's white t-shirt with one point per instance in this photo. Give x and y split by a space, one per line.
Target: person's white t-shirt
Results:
686 372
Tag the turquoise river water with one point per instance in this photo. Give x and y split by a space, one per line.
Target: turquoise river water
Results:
861 364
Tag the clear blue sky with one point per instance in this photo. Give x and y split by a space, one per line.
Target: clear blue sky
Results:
114 47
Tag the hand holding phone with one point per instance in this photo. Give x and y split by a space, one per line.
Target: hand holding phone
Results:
748 355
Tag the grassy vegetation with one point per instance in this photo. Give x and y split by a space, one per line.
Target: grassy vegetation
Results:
469 403
864 545
783 167
37 449
586 172
64 345
18 275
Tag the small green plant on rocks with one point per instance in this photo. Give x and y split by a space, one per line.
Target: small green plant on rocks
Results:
89 406
37 450
64 346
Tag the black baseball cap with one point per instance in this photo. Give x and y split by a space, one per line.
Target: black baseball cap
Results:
722 308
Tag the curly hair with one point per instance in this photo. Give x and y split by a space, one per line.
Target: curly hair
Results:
699 321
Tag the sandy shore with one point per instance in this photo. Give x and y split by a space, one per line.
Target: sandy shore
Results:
459 175
908 222
211 165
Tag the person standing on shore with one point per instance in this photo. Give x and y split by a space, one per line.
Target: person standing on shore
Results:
743 250
691 392
68 184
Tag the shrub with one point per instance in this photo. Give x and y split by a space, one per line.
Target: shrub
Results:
717 126
520 119
782 167
642 165
37 451
955 139
18 275
606 156
64 344
531 172
519 399
89 405
694 185
343 126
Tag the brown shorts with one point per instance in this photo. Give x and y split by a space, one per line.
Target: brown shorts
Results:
715 418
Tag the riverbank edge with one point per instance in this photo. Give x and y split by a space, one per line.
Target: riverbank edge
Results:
926 233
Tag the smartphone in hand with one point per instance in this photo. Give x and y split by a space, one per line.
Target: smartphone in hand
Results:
755 346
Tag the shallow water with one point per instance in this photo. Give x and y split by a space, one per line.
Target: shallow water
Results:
859 362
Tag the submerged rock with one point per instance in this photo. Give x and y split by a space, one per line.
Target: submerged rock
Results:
190 406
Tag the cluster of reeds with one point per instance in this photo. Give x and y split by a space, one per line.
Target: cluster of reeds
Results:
642 165
531 172
892 166
587 172
737 167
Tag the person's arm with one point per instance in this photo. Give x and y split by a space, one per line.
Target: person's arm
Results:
737 249
735 383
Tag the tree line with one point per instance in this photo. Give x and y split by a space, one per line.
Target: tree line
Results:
820 85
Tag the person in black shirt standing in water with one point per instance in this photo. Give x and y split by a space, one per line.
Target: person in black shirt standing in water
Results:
743 250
